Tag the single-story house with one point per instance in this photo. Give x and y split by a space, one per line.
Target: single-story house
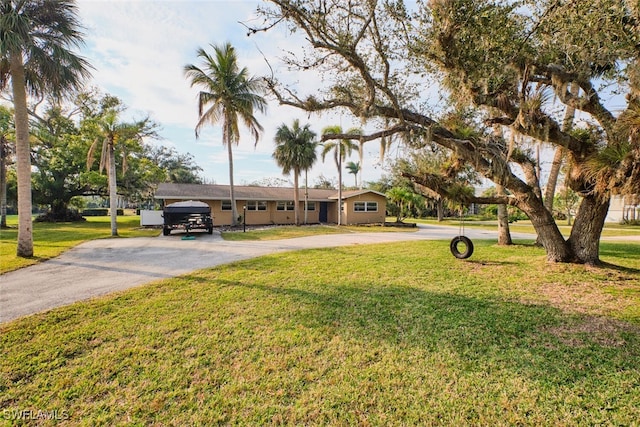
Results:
624 208
275 205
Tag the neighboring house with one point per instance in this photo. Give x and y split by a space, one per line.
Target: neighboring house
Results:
624 208
275 205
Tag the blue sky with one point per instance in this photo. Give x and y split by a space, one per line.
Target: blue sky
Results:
139 49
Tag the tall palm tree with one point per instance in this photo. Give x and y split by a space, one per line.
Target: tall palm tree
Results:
111 132
228 94
354 169
6 152
341 149
358 174
558 157
295 151
36 37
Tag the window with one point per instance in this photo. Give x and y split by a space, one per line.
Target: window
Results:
225 205
256 205
311 206
365 206
285 206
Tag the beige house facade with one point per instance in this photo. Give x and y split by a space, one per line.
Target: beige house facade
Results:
361 207
275 205
624 208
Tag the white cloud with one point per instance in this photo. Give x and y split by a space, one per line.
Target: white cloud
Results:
140 47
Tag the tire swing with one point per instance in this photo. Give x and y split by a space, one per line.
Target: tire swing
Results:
468 247
461 240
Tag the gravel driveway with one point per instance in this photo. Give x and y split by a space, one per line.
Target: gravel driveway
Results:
102 266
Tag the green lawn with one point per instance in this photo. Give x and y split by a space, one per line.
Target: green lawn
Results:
393 334
51 239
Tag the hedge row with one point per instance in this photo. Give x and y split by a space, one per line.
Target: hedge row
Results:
100 212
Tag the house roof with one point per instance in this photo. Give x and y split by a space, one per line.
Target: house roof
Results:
353 193
221 192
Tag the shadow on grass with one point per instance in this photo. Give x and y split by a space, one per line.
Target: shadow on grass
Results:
538 341
489 262
620 268
305 334
625 251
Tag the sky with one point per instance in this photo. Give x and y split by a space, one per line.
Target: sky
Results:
139 48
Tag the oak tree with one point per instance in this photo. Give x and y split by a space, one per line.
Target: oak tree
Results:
514 61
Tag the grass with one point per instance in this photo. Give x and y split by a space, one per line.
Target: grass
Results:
393 334
51 239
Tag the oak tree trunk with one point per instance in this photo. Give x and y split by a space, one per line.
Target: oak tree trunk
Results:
504 235
584 240
549 235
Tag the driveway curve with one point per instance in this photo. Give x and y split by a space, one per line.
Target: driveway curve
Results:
99 267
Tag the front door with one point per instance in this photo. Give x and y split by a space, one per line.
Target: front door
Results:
323 211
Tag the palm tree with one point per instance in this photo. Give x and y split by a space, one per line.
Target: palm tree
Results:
36 37
6 152
354 168
110 132
360 156
341 149
558 157
228 94
400 197
295 150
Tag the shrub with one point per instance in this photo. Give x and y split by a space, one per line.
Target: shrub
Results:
95 212
70 215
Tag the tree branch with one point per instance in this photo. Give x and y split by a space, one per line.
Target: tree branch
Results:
452 191
366 138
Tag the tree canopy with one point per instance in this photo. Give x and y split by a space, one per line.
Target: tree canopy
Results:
512 61
228 95
295 152
62 137
37 38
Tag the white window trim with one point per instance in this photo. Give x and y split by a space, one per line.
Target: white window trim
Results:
254 205
285 205
365 205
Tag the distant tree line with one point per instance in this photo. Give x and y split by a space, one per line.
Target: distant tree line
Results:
72 150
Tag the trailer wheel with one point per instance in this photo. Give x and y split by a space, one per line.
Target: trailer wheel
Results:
166 231
468 250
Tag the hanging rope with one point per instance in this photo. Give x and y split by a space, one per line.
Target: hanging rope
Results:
460 239
461 228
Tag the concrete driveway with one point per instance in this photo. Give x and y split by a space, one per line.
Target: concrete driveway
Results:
102 266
